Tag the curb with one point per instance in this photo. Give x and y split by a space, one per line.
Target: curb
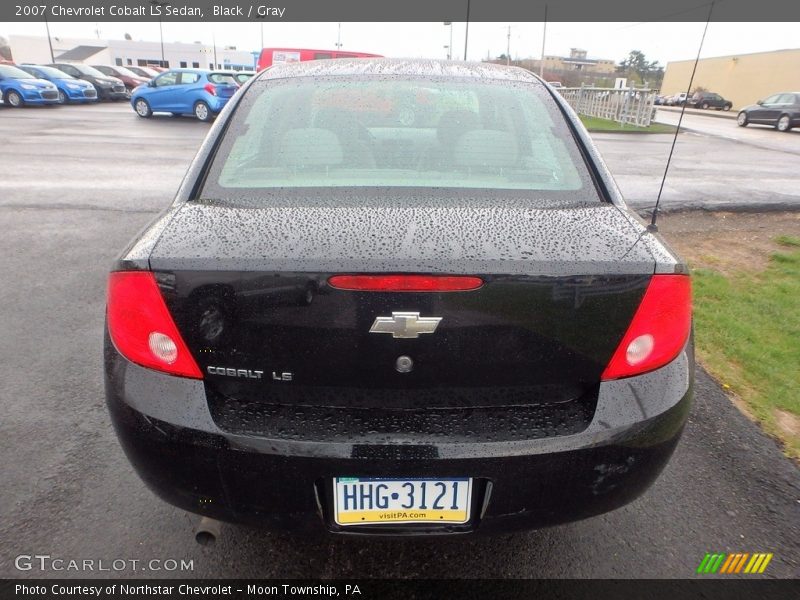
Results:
756 207
716 114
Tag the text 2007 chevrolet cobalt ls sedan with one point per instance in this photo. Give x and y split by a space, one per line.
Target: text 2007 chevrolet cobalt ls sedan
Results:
398 297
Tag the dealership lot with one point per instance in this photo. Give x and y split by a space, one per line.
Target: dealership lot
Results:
79 182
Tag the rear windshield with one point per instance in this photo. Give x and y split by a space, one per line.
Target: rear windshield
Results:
222 78
392 133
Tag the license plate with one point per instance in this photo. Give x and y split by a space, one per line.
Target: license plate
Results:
369 500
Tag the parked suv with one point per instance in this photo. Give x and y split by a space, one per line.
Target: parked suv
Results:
108 88
707 100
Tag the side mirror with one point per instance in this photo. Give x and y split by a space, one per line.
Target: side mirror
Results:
151 83
760 102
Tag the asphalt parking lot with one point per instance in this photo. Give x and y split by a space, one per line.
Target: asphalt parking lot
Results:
78 182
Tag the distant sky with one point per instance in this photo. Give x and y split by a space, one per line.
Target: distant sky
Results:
659 41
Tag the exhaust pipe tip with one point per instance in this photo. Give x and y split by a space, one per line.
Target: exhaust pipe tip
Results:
207 531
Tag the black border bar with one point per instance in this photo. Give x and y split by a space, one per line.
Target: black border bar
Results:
399 11
379 589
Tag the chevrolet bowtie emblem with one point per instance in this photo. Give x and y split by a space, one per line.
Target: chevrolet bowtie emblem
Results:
405 324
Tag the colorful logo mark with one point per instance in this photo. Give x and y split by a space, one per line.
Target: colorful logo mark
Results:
740 562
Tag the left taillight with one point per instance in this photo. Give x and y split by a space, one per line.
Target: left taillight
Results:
142 328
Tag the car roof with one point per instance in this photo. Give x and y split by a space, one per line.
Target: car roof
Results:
187 70
344 67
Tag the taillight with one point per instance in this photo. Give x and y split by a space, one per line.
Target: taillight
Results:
142 328
210 88
405 283
659 328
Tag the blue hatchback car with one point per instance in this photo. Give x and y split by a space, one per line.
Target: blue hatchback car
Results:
18 88
199 92
70 89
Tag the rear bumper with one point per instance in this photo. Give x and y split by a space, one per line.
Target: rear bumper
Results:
216 103
172 442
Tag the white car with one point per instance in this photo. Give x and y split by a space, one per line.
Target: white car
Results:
677 99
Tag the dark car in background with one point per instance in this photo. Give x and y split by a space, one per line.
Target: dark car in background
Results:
781 110
108 88
241 77
129 78
198 92
70 89
18 88
145 72
707 100
495 343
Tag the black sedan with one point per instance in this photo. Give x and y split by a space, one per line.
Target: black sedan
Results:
782 111
108 88
492 341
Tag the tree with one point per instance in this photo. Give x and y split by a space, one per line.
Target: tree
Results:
636 64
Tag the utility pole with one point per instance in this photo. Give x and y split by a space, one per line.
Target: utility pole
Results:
450 50
466 33
161 5
544 37
49 41
262 34
161 35
339 38
508 46
214 43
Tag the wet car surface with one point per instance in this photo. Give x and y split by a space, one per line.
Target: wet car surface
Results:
555 371
59 325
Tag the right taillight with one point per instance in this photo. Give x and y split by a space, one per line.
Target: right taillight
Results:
142 328
658 331
210 88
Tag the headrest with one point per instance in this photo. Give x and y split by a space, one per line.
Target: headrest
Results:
310 147
486 148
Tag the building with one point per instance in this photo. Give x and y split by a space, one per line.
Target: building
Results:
577 61
741 78
34 49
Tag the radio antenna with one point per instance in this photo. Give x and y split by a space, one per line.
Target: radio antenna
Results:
653 227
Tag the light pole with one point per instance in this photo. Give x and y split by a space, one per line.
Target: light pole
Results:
466 33
339 38
49 40
160 26
544 37
214 43
450 46
508 47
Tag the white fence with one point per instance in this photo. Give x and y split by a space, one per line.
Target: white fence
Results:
627 106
